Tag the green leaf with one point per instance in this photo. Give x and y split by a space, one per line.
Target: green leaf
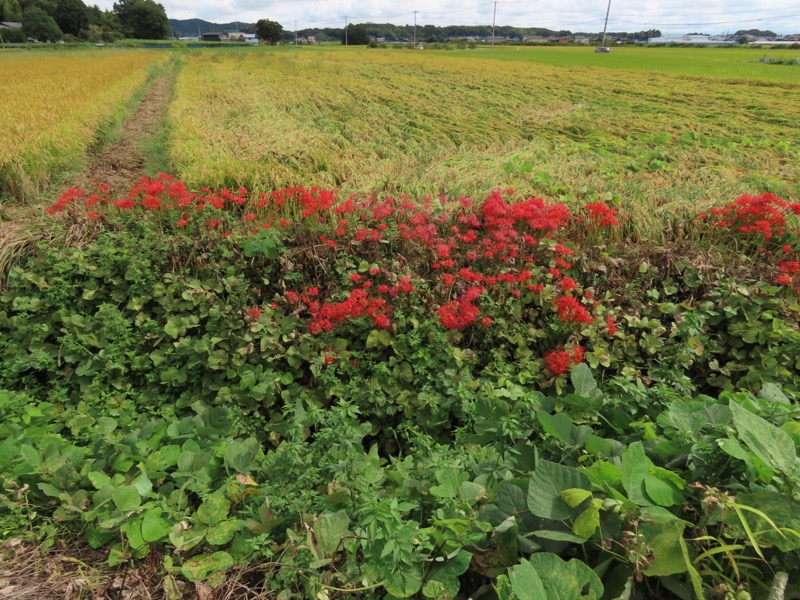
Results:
126 498
99 480
214 509
772 393
447 572
550 578
154 528
329 529
404 582
584 383
558 536
587 522
558 425
525 582
544 491
575 496
661 491
202 567
173 328
239 455
223 532
635 467
769 443
663 534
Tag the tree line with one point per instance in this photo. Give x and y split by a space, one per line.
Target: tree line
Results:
72 20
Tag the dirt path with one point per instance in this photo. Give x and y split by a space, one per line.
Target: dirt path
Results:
121 165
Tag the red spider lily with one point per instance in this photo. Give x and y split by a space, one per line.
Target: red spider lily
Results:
571 311
611 326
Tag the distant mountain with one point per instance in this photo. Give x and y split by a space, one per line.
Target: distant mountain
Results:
195 27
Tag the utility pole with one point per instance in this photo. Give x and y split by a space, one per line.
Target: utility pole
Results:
295 32
605 27
494 19
415 30
345 30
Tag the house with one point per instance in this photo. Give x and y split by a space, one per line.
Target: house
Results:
10 25
707 40
215 36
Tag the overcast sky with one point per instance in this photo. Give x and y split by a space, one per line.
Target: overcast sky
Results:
677 16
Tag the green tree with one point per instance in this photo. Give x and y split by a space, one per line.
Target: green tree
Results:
269 31
143 19
38 24
71 16
10 10
356 35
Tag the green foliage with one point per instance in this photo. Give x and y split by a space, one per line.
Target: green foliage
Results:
163 415
143 19
10 10
356 35
269 31
36 23
71 16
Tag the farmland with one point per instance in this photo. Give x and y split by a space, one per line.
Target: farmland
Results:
53 108
397 122
402 324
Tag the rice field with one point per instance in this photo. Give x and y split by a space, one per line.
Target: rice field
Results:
54 106
428 123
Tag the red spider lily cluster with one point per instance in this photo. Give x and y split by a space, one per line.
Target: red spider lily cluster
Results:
559 362
767 220
467 260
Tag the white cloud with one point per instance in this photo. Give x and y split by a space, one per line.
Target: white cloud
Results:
680 16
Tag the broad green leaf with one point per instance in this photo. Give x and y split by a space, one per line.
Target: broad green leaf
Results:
447 572
575 496
769 443
584 383
329 529
662 492
506 540
562 580
126 498
544 491
202 567
223 532
404 582
239 454
558 425
154 528
184 538
133 531
635 467
603 474
780 508
558 536
772 393
525 582
663 534
49 490
214 509
587 522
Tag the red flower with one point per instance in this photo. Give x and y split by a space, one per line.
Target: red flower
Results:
254 313
355 277
182 223
568 283
610 325
570 310
557 362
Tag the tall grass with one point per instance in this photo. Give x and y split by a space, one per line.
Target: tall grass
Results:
371 121
52 108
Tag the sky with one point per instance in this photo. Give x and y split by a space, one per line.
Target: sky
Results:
675 16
